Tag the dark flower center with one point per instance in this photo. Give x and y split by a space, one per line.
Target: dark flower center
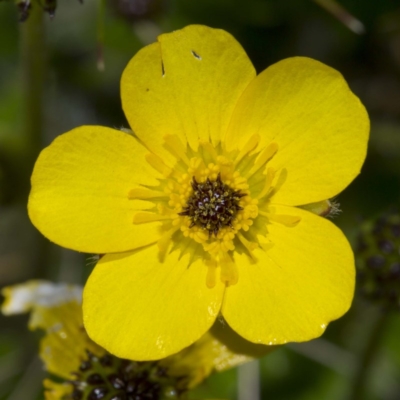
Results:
111 378
213 205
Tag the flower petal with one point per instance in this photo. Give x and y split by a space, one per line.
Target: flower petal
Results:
139 308
320 126
187 85
80 189
304 281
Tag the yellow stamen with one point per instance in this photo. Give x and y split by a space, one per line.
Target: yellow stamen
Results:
145 217
229 272
211 278
268 184
264 157
144 193
210 149
158 164
164 242
250 246
251 144
164 210
176 148
196 165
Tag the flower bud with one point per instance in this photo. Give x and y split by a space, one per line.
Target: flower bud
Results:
378 260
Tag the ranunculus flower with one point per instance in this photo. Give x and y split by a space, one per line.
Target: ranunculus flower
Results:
198 210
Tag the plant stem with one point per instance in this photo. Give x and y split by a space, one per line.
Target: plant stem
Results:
249 381
101 12
33 72
33 61
368 357
339 12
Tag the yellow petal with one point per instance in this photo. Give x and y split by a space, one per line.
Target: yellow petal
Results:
80 191
186 84
139 308
304 281
319 125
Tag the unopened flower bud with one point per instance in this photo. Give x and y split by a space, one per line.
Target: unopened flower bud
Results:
378 260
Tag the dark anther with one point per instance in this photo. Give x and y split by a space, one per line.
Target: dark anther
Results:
74 383
116 381
106 361
131 388
161 371
213 205
85 366
90 355
98 393
95 379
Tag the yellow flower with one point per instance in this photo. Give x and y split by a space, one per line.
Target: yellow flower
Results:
198 210
87 371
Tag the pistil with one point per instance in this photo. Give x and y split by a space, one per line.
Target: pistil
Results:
213 205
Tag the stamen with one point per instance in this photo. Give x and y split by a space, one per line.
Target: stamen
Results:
263 158
250 246
212 203
144 193
268 184
145 217
210 149
229 273
251 144
109 377
164 242
164 210
158 164
176 148
212 206
211 279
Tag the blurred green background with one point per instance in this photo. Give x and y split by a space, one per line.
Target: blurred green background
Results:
52 80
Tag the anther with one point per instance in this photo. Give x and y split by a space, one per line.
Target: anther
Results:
213 205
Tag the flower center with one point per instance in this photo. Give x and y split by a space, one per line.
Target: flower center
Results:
212 206
212 203
108 377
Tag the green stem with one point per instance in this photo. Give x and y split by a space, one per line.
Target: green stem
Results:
33 61
339 12
101 12
368 357
33 72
